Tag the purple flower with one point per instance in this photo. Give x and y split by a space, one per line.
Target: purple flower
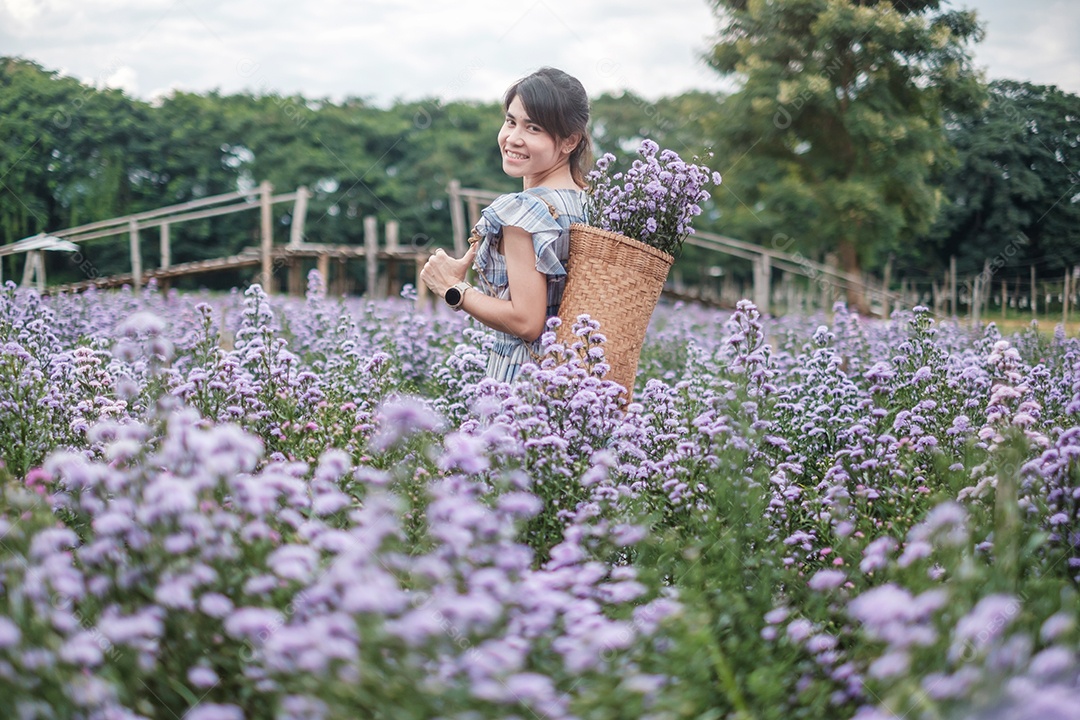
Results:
799 629
520 504
10 635
253 622
202 677
820 643
401 418
214 711
983 625
776 615
626 535
141 323
875 556
1052 662
531 688
914 550
890 664
293 562
298 707
464 452
52 541
827 580
1052 628
141 625
881 606
215 605
945 523
84 649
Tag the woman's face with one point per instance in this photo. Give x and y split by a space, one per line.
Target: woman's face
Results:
528 150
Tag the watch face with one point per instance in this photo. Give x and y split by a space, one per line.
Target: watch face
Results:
453 296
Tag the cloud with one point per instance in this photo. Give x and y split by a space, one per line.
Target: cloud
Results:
124 78
384 50
1033 41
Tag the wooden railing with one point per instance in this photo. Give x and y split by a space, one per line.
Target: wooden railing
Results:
261 198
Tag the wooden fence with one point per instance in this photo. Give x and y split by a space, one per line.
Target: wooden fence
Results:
164 218
267 256
804 284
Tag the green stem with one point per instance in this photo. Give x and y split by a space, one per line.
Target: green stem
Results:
727 679
1010 456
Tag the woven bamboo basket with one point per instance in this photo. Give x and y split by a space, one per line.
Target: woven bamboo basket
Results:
617 281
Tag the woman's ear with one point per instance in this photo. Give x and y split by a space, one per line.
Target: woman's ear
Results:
571 143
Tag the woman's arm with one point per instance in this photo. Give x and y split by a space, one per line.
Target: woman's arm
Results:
525 313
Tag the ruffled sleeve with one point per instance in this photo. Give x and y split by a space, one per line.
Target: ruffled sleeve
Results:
526 211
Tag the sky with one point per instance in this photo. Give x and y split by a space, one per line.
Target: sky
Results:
387 50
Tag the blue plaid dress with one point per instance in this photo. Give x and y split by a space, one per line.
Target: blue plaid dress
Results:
546 213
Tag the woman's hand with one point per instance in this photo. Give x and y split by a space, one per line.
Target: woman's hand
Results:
442 271
522 314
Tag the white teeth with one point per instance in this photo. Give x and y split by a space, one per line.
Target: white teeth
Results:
516 156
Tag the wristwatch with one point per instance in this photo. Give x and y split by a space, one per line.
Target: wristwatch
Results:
455 295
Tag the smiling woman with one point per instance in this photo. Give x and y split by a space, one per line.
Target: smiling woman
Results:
521 243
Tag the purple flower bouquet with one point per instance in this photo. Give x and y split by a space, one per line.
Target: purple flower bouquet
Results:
654 201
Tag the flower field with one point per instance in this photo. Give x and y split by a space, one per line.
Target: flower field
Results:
219 507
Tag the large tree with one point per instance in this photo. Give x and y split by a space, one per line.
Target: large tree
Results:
1014 196
832 138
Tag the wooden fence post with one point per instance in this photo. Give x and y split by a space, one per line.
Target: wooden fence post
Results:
952 286
323 265
266 234
457 218
390 284
371 254
886 281
393 230
166 247
421 287
1065 302
296 230
788 289
34 270
136 254
294 279
762 272
1034 296
976 300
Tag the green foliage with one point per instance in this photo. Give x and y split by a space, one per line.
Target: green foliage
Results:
74 154
838 124
1016 155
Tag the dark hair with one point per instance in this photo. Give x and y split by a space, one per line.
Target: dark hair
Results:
557 102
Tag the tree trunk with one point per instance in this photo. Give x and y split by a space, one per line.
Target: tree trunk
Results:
849 263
